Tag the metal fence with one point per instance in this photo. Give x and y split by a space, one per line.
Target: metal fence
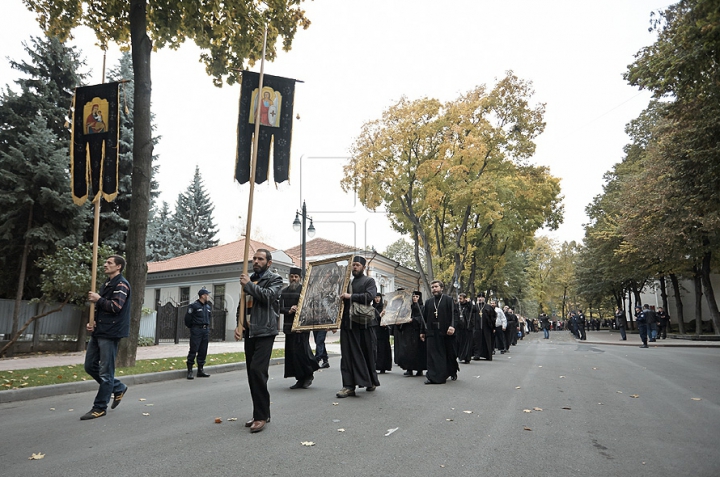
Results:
65 322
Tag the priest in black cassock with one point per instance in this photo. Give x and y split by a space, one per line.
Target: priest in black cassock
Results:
300 362
466 314
410 350
358 343
440 319
383 359
484 327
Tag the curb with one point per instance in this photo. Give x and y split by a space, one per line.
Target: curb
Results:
38 392
652 345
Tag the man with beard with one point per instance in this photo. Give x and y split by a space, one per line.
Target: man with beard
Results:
439 315
383 357
299 360
410 350
511 329
484 327
463 333
259 328
358 343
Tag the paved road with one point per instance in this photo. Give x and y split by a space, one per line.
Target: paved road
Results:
605 432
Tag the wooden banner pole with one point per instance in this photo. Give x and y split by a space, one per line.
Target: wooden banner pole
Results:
253 165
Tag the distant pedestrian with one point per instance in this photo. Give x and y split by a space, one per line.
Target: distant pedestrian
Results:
500 327
641 320
664 322
545 325
620 322
112 323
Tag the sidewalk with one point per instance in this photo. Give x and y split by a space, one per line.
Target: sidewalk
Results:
605 337
163 350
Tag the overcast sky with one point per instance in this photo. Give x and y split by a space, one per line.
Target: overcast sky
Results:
358 58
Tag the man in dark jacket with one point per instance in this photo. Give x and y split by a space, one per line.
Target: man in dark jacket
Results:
111 323
620 322
358 342
663 322
198 319
641 320
581 322
259 328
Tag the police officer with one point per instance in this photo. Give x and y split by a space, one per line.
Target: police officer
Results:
581 322
197 319
641 320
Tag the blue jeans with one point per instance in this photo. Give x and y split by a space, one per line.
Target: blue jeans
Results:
546 332
320 351
100 365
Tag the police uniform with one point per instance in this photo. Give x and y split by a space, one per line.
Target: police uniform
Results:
197 319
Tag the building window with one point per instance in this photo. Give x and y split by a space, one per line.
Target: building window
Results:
184 295
219 297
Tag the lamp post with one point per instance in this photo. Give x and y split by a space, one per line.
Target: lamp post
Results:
309 231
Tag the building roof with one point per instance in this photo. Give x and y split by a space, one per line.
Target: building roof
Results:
319 247
221 255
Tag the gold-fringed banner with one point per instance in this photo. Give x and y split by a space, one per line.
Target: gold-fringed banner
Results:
94 145
276 117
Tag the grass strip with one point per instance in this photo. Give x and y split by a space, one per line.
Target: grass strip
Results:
28 378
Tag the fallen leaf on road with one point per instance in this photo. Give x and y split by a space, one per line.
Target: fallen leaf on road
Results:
218 420
142 399
526 429
696 399
341 430
527 410
37 456
539 366
635 396
537 409
146 413
448 419
71 410
335 403
52 408
566 408
594 368
619 392
477 376
467 412
336 420
562 376
441 465
232 419
390 431
308 443
517 387
149 405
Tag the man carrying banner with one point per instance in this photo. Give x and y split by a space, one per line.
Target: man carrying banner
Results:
112 323
260 328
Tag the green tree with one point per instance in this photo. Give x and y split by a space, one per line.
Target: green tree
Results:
228 32
162 234
193 220
402 252
454 176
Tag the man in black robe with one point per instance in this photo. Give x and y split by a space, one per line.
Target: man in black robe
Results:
464 331
512 328
300 362
358 343
484 328
383 359
410 350
439 315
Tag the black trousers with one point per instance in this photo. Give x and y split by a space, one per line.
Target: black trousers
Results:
199 338
257 357
499 338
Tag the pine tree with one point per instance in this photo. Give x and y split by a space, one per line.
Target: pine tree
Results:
36 211
115 215
162 234
193 218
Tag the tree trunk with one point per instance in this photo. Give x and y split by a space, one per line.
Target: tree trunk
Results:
663 293
678 303
709 292
21 281
697 281
141 175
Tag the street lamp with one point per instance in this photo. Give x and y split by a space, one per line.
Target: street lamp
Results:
309 231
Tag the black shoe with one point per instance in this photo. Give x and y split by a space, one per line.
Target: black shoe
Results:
370 389
476 358
427 381
297 385
190 374
202 374
382 371
408 373
345 392
419 373
306 384
467 361
117 398
93 414
502 351
453 378
644 346
325 365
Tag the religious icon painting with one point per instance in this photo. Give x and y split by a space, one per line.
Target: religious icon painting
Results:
320 306
270 106
398 308
94 144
